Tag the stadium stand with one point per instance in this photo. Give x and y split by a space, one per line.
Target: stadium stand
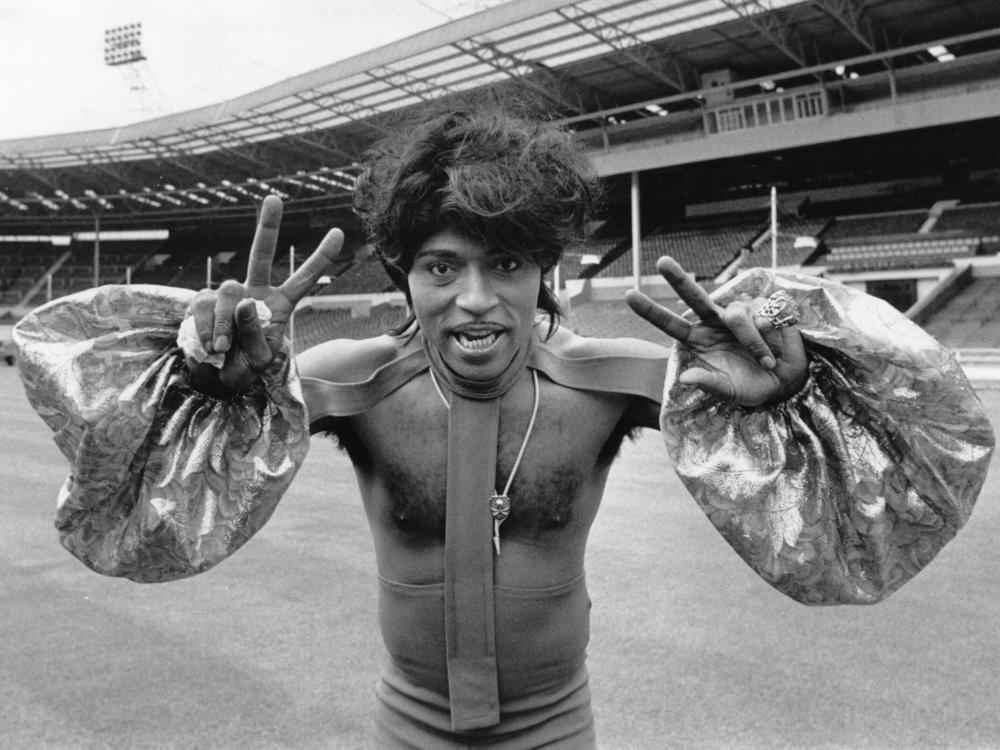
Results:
364 275
908 251
882 198
25 265
194 273
982 220
76 273
613 318
571 265
705 248
10 274
605 248
26 268
969 319
791 252
314 326
846 228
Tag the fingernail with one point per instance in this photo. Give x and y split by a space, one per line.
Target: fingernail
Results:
221 344
768 362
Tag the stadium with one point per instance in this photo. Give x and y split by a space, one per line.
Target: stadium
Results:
873 122
855 140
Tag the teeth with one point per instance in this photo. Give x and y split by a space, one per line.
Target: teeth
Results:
477 340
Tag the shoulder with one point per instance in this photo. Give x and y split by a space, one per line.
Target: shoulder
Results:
349 360
569 345
626 366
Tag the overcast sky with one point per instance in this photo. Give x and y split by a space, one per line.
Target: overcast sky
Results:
198 52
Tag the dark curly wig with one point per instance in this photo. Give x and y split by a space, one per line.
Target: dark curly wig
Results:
496 178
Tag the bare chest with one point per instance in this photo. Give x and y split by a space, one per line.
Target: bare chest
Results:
556 486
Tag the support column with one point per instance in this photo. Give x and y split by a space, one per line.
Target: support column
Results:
774 227
291 315
97 250
636 235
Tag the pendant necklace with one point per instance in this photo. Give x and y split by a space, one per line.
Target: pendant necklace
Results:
500 502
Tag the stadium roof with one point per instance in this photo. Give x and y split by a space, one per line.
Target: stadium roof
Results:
598 65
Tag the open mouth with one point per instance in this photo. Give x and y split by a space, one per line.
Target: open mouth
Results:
476 340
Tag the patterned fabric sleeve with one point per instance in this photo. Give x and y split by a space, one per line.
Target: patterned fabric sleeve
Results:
165 481
845 491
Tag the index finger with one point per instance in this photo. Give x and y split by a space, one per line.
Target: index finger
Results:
299 283
688 289
265 240
666 320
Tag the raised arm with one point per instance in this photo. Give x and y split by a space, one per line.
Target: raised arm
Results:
171 470
232 346
748 351
835 445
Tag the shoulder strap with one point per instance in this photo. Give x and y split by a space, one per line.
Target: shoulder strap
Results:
326 399
614 370
611 368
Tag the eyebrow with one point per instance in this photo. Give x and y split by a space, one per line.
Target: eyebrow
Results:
446 253
435 252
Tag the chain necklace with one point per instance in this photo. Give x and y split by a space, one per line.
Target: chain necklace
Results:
500 502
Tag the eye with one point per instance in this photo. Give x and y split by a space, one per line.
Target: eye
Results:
438 269
508 264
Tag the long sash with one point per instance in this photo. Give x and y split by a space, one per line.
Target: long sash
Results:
470 626
470 620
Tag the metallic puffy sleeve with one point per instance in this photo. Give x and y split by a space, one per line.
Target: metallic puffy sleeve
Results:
165 481
845 491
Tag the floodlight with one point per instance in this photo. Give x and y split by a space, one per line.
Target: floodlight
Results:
123 45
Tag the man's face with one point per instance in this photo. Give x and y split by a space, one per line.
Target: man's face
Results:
475 305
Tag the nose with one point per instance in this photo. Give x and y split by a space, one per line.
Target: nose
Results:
477 295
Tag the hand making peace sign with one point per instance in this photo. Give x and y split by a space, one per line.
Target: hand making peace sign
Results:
744 355
226 320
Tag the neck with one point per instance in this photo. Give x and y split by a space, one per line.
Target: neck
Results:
480 390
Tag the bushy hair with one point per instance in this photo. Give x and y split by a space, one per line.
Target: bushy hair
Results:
497 178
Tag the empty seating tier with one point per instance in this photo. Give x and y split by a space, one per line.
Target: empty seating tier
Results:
875 225
921 251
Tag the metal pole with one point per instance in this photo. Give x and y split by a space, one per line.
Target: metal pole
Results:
774 227
636 247
208 272
291 316
97 250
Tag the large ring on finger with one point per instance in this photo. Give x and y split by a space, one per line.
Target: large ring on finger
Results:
779 310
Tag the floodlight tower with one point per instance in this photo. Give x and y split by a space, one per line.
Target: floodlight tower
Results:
123 50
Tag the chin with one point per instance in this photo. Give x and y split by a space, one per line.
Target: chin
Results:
477 371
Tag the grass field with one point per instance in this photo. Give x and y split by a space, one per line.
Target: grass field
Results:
278 646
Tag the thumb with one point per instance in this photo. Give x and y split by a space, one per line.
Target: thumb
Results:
714 382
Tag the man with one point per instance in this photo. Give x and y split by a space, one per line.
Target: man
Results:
482 437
